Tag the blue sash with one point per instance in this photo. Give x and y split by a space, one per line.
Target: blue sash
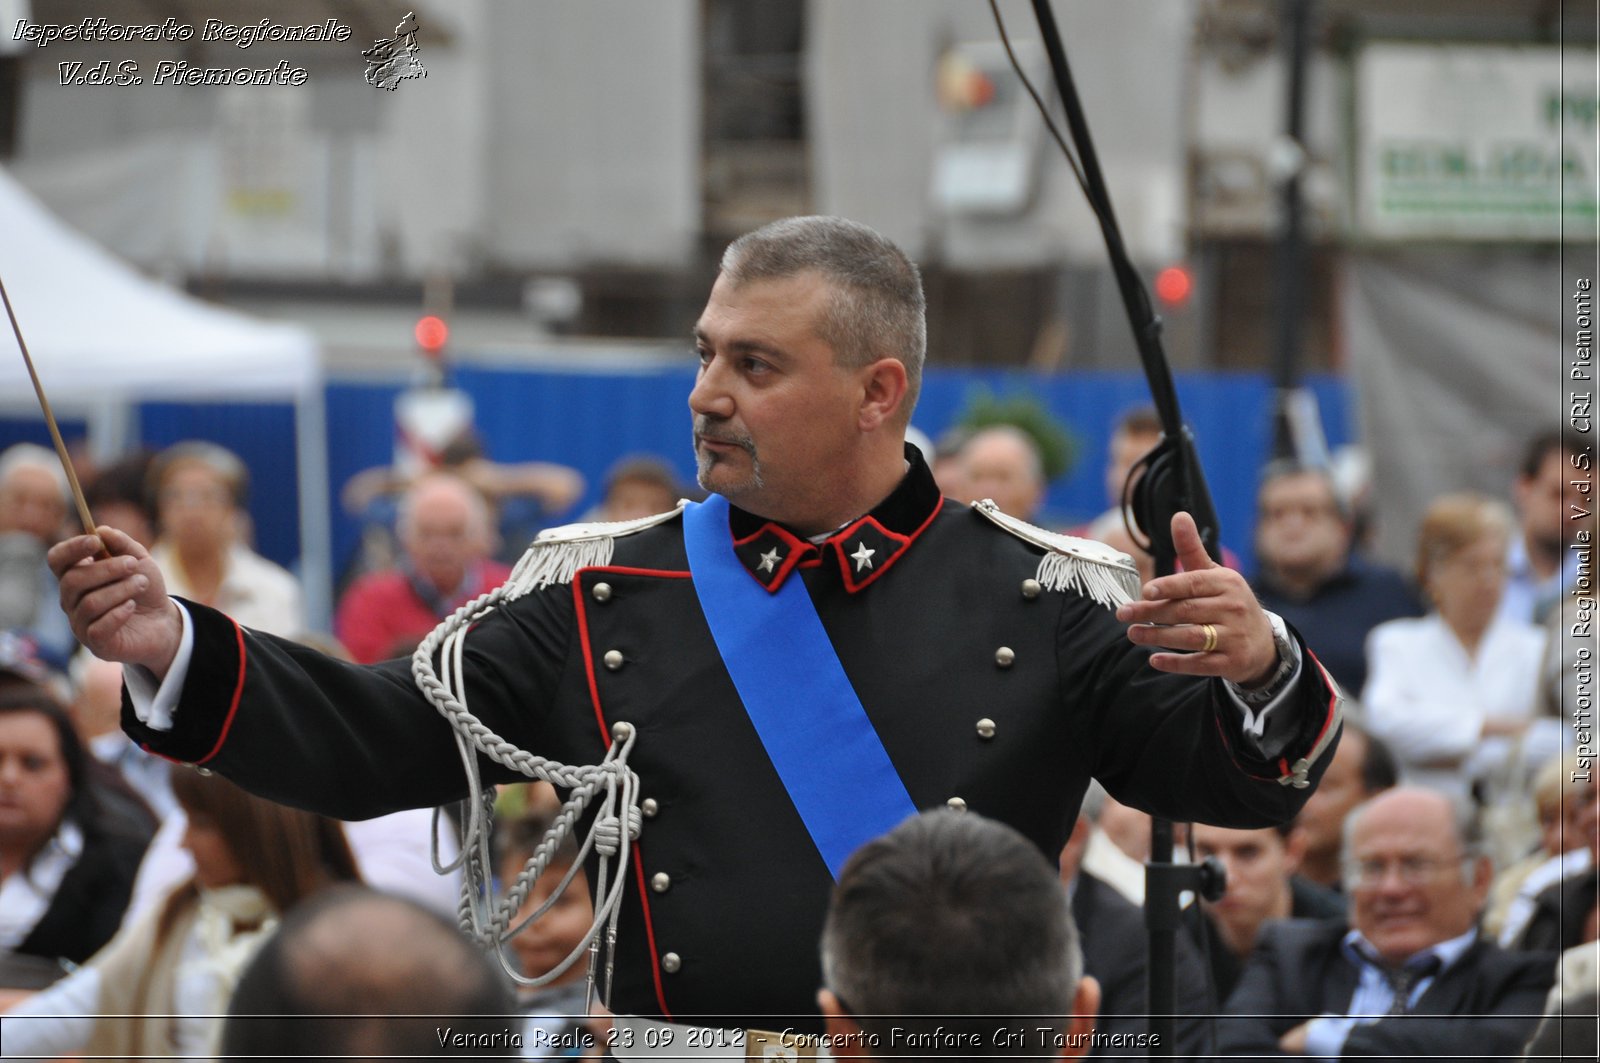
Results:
803 707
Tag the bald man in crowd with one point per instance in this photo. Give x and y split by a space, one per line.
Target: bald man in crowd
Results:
1003 463
1408 975
447 537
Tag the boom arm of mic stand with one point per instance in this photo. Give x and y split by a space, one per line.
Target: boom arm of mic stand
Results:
1181 482
1173 480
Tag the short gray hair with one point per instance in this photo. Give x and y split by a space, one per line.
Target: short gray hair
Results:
958 920
33 456
877 309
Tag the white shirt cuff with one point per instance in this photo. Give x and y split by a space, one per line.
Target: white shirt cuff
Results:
1255 717
153 704
1326 1035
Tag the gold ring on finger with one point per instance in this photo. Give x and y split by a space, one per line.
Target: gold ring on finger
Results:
1211 638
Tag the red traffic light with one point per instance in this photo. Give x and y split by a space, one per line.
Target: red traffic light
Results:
432 333
1173 285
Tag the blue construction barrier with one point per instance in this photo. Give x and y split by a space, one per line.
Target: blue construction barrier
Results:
590 419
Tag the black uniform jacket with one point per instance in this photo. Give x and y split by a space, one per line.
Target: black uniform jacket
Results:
919 632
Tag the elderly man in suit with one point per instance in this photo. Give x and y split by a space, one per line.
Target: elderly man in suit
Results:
1410 975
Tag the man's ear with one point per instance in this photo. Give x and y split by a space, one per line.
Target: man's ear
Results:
883 392
837 1021
1085 1009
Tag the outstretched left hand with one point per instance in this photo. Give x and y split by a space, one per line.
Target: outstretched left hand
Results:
1205 603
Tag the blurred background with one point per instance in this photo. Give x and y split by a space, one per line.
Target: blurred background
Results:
1362 223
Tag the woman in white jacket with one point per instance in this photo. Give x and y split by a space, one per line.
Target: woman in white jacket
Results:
1452 693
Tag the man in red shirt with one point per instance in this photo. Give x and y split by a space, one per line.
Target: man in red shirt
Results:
447 538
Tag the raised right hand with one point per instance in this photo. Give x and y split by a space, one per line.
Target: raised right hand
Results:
118 605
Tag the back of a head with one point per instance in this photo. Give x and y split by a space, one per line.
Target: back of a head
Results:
355 973
955 919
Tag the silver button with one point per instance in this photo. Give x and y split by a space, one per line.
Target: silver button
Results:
661 882
202 771
986 728
621 732
602 592
671 962
1004 656
1030 589
957 804
649 807
613 659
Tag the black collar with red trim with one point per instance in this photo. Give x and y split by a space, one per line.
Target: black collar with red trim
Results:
864 549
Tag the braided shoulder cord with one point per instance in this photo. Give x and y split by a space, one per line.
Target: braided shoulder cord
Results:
610 786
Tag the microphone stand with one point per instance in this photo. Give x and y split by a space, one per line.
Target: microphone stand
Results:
1173 480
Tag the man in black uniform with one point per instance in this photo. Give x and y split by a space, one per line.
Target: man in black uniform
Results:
975 661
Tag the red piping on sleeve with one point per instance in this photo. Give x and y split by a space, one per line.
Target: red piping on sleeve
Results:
1227 743
238 691
1333 698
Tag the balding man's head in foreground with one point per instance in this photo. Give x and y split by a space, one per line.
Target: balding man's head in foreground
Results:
952 935
354 973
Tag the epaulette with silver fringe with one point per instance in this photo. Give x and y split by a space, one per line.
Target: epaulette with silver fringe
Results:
1093 569
557 554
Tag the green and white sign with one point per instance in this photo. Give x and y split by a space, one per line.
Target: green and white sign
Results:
1475 142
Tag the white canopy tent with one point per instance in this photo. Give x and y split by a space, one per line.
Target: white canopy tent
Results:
104 337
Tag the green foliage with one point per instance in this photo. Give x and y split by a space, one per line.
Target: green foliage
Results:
1058 447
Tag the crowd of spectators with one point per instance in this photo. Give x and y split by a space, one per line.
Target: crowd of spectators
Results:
1447 858
1463 674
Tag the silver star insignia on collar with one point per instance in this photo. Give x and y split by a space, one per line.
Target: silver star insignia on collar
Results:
862 557
770 559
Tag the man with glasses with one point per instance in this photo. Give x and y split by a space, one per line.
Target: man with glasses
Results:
1409 975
